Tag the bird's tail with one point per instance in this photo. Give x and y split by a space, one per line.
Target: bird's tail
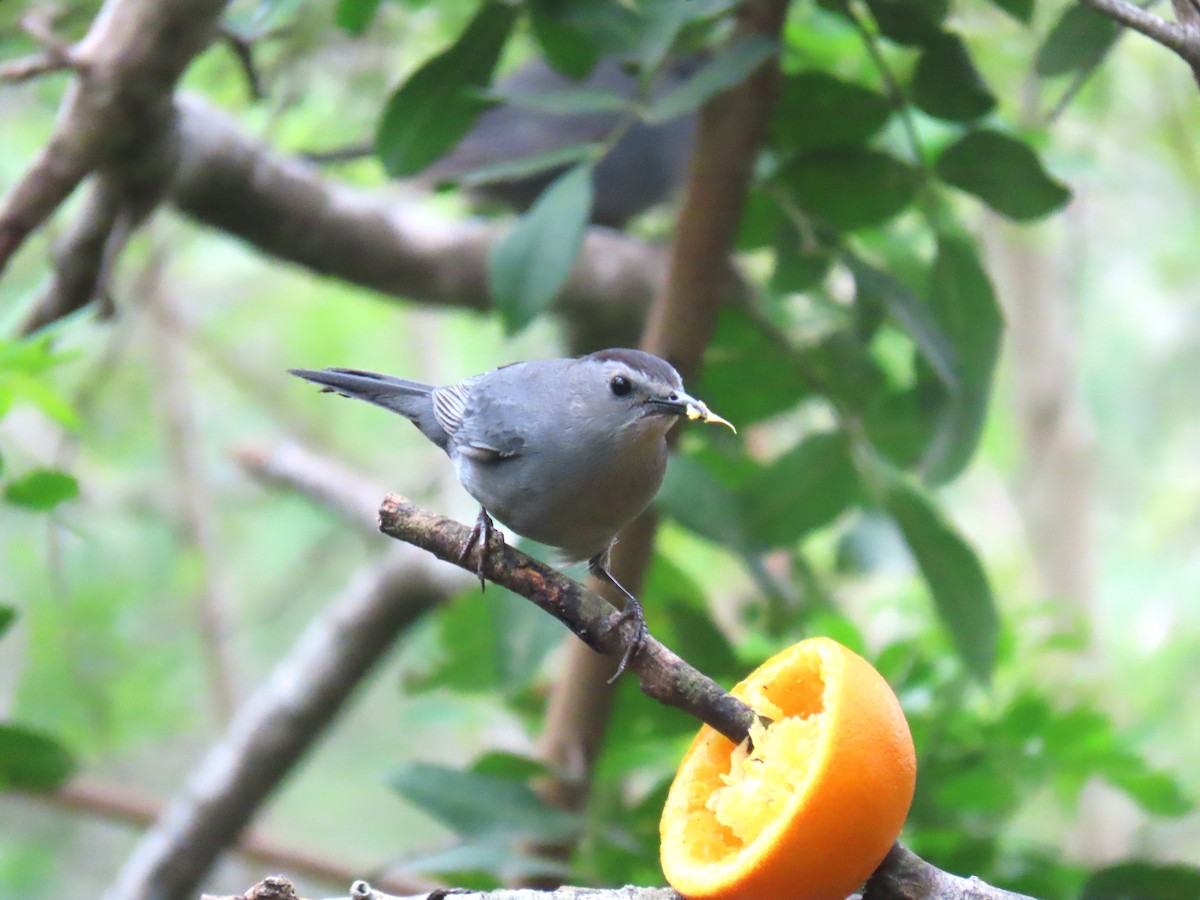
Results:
411 399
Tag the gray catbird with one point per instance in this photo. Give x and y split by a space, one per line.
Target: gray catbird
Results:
563 451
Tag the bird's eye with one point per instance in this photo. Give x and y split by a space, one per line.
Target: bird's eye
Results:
620 385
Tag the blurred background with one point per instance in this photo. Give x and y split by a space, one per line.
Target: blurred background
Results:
158 578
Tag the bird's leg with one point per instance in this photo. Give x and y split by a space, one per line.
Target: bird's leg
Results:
481 534
598 566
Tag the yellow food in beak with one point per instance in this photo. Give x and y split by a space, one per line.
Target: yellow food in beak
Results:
698 410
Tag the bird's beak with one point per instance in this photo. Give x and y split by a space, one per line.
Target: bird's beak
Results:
683 404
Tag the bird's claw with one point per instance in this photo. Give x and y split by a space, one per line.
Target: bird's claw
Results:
481 534
631 613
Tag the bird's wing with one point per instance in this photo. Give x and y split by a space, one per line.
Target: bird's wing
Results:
465 415
486 453
450 406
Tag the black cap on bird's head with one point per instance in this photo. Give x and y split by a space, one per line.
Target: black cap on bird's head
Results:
652 383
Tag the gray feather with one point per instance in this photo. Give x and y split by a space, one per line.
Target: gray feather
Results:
411 399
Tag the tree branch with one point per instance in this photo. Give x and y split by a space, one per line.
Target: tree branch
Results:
277 888
1182 38
661 674
905 876
119 115
286 208
326 482
83 257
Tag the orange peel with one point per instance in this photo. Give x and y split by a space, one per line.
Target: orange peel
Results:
807 808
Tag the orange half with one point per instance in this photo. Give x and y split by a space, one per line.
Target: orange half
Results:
815 806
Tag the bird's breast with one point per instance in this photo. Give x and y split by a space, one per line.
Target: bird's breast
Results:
570 490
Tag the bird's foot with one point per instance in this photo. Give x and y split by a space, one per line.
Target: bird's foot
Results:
631 613
481 534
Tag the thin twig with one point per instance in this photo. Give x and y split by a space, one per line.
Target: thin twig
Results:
242 47
34 66
85 256
55 55
342 154
890 81
1078 80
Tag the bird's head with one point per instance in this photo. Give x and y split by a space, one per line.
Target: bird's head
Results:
632 388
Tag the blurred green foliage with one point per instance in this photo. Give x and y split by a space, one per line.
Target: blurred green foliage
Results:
861 377
30 759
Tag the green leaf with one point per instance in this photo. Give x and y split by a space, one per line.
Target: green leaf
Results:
698 500
567 48
1078 42
658 28
962 300
8 615
32 355
511 766
762 221
729 68
492 643
909 22
696 637
478 805
41 489
817 111
353 16
851 188
900 424
615 27
31 760
955 577
530 265
22 386
525 166
436 106
1021 10
748 377
843 367
805 488
1138 880
1156 792
798 265
911 313
946 83
1004 173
